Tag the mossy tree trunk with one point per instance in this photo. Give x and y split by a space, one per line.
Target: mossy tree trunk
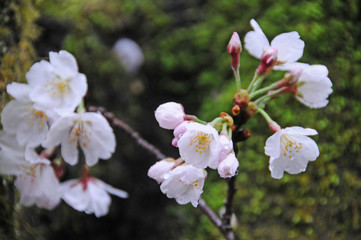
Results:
17 32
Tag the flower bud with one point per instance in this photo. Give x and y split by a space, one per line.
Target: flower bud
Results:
169 115
225 146
234 48
251 109
241 98
160 168
268 60
236 110
228 167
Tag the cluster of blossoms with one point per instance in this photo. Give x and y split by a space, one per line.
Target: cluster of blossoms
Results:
200 145
48 114
212 144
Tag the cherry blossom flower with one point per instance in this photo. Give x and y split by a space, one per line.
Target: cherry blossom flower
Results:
129 54
160 168
38 185
57 84
36 181
290 150
313 86
90 195
228 167
199 145
185 184
169 115
28 124
89 131
289 45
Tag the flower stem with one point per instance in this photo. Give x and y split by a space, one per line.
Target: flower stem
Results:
264 114
200 121
262 90
268 96
238 78
81 107
255 78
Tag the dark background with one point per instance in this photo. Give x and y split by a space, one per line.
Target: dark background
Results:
184 43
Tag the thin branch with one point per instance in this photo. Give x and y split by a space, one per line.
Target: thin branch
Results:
210 214
227 216
225 229
134 134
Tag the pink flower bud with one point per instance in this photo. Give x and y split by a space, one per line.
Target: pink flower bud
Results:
228 167
268 60
234 48
225 146
160 168
169 115
178 132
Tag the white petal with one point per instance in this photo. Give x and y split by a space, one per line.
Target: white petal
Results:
297 166
300 131
73 193
112 190
277 167
289 45
64 63
309 148
70 152
19 91
58 131
288 66
173 189
273 145
100 200
256 43
9 164
39 73
101 142
12 114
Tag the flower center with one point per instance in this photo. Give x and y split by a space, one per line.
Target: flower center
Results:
36 117
289 146
58 87
194 183
79 133
201 142
29 170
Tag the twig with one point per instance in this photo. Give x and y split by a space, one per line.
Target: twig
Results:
135 135
210 214
225 229
227 216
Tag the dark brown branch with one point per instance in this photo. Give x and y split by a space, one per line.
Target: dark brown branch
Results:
225 229
210 214
227 216
135 135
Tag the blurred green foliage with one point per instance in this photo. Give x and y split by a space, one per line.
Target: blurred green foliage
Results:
184 44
